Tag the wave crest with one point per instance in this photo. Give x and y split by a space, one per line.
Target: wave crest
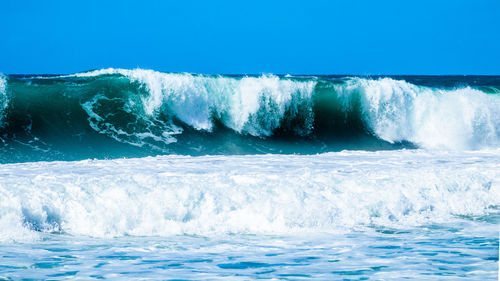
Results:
253 105
393 110
398 111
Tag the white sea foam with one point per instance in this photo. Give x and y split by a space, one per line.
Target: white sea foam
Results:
397 111
169 195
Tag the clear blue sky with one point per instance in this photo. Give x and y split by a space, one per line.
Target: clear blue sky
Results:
308 37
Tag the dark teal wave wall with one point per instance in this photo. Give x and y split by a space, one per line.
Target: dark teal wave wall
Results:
113 113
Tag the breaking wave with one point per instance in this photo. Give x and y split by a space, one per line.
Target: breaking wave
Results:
111 113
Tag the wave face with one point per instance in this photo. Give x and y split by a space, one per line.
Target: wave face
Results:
4 100
259 194
112 113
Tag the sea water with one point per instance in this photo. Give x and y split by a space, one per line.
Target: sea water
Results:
120 174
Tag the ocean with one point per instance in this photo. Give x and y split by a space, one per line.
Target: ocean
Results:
140 174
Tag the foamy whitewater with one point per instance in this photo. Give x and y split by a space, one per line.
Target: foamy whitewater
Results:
127 174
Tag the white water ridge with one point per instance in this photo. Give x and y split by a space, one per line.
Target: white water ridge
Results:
268 194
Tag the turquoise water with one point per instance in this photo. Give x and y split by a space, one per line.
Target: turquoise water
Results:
438 252
137 174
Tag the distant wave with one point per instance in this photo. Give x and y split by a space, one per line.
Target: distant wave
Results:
119 112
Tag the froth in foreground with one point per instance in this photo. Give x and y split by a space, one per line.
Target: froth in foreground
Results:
268 194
